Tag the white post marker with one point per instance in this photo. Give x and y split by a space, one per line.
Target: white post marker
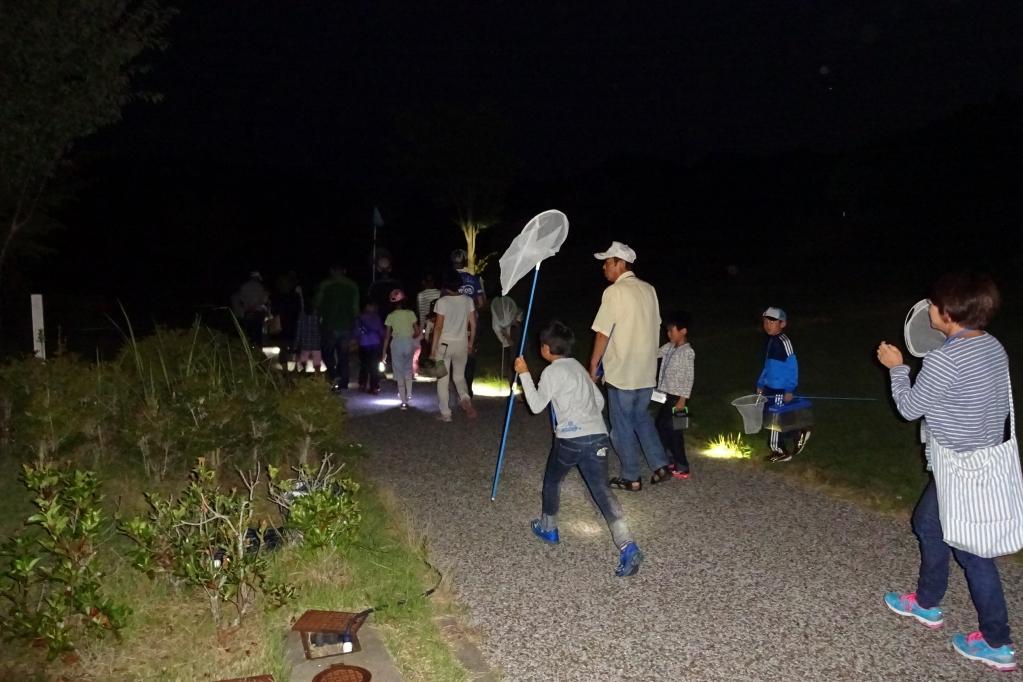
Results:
38 327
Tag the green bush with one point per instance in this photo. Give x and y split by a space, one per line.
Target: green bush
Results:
318 503
309 423
164 402
202 539
198 394
49 580
62 408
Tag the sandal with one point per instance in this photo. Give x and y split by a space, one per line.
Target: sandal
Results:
662 474
626 484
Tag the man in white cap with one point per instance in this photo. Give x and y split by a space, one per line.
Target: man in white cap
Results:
628 326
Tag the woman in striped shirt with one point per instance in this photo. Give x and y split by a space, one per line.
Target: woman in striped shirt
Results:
962 393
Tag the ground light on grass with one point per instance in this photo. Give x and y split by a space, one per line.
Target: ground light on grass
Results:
491 387
728 447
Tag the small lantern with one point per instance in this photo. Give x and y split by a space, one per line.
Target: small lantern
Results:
328 633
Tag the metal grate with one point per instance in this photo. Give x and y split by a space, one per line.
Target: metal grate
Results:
344 673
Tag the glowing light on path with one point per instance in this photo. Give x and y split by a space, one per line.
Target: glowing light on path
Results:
728 447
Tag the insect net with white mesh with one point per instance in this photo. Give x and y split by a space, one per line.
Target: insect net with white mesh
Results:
921 338
503 312
540 238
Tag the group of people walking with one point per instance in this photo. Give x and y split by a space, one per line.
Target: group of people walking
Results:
327 329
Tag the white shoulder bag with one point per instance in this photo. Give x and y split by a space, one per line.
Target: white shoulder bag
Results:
980 495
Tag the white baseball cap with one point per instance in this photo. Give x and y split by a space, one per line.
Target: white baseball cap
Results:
775 314
617 250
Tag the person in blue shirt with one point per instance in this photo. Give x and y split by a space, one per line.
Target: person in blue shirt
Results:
778 381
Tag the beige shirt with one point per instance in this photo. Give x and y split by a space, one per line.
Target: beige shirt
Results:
630 308
456 310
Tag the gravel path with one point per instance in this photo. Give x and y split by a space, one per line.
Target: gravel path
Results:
746 577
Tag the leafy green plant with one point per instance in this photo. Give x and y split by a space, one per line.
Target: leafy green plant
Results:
308 421
318 504
205 539
49 581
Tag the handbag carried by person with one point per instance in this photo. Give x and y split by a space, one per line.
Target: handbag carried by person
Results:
434 368
980 495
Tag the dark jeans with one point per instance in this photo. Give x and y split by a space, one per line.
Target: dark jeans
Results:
589 453
981 574
335 355
672 439
252 325
369 367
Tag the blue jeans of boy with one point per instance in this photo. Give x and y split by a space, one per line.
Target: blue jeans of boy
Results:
632 429
981 574
589 453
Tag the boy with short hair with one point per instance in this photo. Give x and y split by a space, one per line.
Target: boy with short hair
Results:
675 381
581 440
778 382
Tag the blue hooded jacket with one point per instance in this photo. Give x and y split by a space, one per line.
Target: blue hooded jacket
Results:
781 370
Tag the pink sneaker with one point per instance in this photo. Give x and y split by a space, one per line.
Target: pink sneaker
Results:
466 405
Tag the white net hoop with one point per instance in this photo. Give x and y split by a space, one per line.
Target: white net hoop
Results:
540 238
751 408
921 338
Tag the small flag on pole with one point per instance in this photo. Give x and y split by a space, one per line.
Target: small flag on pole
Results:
378 220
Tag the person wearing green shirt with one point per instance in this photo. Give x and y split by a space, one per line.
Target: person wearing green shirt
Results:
337 300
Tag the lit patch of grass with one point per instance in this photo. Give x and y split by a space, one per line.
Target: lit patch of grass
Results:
728 447
492 386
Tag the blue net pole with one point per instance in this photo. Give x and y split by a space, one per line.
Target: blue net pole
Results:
829 397
511 392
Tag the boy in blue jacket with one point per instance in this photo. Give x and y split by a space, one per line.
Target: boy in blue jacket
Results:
778 383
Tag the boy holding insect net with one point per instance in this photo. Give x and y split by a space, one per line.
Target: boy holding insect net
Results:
778 381
581 440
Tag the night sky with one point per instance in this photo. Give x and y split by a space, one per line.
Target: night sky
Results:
284 123
318 83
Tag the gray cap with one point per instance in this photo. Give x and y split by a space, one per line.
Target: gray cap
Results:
775 313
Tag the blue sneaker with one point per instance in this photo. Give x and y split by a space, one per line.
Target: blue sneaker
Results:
629 561
548 536
906 605
973 647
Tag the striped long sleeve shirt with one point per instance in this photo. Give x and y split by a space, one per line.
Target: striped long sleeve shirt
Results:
962 392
